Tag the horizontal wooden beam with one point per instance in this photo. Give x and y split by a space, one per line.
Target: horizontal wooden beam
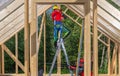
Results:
60 1
58 75
108 75
53 75
12 74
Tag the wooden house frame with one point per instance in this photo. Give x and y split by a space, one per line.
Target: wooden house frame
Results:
31 38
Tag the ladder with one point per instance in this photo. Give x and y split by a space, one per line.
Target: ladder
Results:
60 43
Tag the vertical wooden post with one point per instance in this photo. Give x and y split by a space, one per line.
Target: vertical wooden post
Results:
26 37
45 43
33 41
113 63
16 50
87 40
0 59
108 49
3 67
119 59
95 40
59 56
116 49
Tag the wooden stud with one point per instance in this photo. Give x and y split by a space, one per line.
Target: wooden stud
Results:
113 63
41 29
26 37
44 43
16 50
59 55
95 40
119 59
115 60
0 60
109 63
33 41
87 40
3 70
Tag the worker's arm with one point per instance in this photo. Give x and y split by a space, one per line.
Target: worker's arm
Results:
72 67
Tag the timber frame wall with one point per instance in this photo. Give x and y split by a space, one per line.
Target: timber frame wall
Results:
31 38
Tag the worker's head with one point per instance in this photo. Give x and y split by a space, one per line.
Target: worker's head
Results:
55 7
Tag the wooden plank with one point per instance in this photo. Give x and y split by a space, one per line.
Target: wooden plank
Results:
87 40
109 18
33 41
12 74
60 1
16 51
108 7
116 61
59 55
119 59
15 28
108 75
11 8
3 66
9 34
11 25
95 39
13 16
41 29
13 57
0 59
26 36
99 36
59 75
113 63
103 42
109 62
45 43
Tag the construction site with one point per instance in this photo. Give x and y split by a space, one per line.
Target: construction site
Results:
27 43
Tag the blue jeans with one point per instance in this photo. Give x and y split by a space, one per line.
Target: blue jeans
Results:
57 28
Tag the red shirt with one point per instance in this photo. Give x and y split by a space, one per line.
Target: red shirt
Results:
56 15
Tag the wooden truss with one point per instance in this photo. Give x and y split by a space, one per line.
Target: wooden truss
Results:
35 39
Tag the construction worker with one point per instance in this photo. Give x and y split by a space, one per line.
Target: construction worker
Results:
81 67
57 17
